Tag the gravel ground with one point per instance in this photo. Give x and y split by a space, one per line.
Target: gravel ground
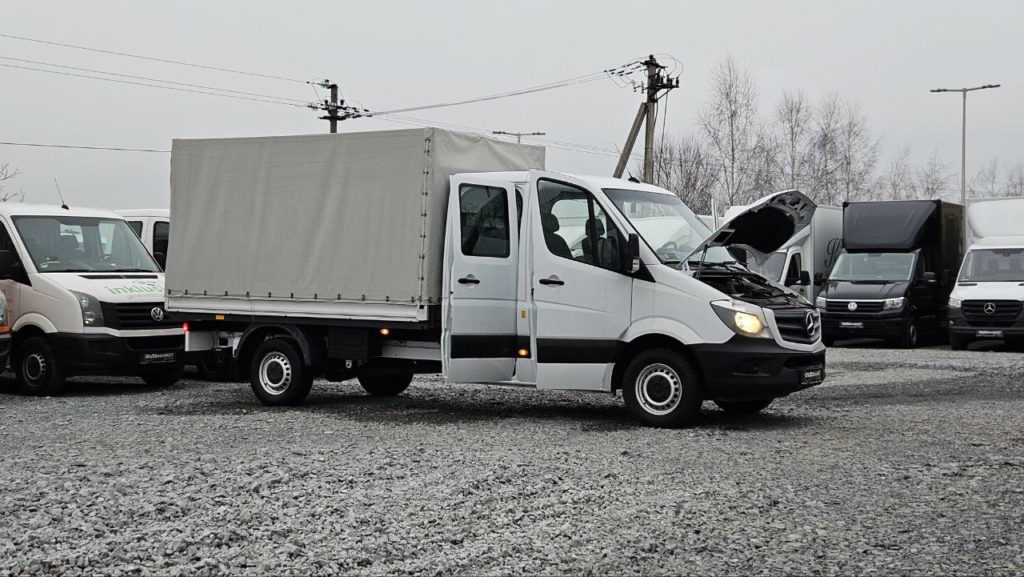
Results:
903 462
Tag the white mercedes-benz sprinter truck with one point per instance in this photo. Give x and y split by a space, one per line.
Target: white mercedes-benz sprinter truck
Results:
381 254
84 297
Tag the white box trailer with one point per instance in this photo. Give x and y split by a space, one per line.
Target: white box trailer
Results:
379 255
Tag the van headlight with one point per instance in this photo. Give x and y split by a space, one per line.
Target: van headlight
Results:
821 302
890 304
92 313
743 318
954 303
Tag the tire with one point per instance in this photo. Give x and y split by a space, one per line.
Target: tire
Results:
278 375
958 342
910 336
164 377
384 381
216 365
36 368
743 407
662 389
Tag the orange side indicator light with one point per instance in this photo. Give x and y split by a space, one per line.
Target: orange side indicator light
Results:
385 332
524 352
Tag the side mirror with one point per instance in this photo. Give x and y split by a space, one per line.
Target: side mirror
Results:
161 259
631 256
7 265
819 278
929 278
805 278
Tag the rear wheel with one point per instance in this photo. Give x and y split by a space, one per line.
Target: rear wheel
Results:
164 377
743 407
958 342
215 365
662 389
277 373
384 381
36 368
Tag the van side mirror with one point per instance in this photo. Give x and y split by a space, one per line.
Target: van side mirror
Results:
819 278
805 278
631 256
8 264
929 278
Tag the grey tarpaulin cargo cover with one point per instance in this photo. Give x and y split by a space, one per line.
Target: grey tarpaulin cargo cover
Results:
320 225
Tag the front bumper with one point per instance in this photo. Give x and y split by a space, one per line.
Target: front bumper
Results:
855 326
745 369
109 355
982 329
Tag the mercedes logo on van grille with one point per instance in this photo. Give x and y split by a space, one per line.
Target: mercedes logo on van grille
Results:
990 308
157 314
811 323
852 306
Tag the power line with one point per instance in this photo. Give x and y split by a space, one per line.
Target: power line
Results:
303 102
38 145
152 85
153 59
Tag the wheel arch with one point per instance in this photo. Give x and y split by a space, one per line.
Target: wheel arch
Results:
647 342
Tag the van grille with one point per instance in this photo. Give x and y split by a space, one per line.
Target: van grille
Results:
1003 313
834 306
132 316
793 325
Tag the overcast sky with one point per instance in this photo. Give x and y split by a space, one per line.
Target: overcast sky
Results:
884 54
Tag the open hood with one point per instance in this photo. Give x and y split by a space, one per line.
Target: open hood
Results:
765 226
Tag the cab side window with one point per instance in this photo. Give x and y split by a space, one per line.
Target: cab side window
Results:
9 257
793 272
136 226
576 227
161 237
483 214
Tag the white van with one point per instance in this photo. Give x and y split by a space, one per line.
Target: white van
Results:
84 296
153 225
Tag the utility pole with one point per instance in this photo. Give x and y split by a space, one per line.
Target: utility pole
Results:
658 85
963 150
519 135
335 109
331 106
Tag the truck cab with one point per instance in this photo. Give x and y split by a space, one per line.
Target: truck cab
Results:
84 297
153 227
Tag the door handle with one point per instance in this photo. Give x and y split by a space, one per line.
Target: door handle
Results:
552 280
469 280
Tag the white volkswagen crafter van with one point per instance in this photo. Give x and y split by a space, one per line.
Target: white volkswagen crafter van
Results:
378 255
84 296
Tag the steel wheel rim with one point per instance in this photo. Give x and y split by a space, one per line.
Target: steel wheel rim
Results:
659 389
912 337
275 373
34 367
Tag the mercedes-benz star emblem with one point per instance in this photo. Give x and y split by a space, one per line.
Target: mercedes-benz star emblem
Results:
990 308
852 306
157 313
811 323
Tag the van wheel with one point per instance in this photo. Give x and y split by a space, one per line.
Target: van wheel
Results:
910 335
662 389
384 381
278 375
164 377
36 368
957 342
743 407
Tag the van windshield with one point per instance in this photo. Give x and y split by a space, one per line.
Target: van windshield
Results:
874 266
666 224
83 244
993 265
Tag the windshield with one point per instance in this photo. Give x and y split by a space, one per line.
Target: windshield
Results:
883 266
83 244
993 265
666 225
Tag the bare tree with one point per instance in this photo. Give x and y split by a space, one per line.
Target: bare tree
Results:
686 168
7 172
1014 183
730 126
793 116
823 152
933 177
899 177
858 154
986 182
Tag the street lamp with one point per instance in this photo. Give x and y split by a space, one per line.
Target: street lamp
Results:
963 149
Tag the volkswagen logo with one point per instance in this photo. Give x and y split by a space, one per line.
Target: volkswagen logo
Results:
990 308
852 306
157 314
811 323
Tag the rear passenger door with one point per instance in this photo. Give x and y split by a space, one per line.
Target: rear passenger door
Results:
481 256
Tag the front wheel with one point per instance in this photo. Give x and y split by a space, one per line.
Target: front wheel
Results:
662 389
384 381
744 407
36 368
910 335
277 373
164 377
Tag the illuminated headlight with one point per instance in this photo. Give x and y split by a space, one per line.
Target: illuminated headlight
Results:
743 318
92 314
954 303
821 302
895 303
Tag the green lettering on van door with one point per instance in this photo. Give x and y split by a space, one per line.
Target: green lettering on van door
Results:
138 287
